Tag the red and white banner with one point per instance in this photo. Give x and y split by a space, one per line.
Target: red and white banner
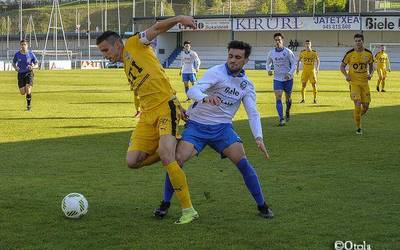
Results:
91 64
205 25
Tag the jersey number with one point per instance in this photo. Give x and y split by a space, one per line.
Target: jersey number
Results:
131 76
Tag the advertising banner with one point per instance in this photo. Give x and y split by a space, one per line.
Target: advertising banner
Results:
91 64
205 25
60 65
381 23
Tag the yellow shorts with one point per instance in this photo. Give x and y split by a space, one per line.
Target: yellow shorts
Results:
162 120
308 75
360 92
382 73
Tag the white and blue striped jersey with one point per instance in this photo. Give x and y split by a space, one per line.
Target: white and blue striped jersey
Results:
232 90
284 62
190 62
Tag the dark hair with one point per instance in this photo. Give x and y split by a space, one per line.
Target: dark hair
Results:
23 41
109 36
359 36
279 34
240 45
307 41
187 42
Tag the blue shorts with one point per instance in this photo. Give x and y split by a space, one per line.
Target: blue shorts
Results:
218 137
286 86
186 77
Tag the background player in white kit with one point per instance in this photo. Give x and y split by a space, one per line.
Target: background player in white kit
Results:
284 63
218 95
190 64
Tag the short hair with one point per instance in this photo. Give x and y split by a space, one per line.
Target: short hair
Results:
358 35
235 44
187 42
308 41
279 34
109 36
23 41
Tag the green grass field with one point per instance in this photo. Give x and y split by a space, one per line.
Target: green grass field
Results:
323 182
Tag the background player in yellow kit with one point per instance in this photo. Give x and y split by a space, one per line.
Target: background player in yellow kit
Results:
382 64
158 123
361 67
310 60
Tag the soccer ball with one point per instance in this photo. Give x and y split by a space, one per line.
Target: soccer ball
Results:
74 205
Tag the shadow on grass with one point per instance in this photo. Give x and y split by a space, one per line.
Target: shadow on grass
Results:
321 180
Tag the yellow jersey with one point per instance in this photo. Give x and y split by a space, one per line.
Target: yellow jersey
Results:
308 58
358 65
145 74
382 59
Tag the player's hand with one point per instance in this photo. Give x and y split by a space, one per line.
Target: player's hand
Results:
180 73
30 67
270 73
187 21
389 70
17 69
348 78
287 77
297 72
262 148
369 77
213 100
184 115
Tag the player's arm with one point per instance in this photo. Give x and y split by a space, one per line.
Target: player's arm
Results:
371 69
196 61
292 60
197 92
269 63
34 64
318 63
165 25
181 69
250 105
344 71
297 65
388 64
343 65
14 63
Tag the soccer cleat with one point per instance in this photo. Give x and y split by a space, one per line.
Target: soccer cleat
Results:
302 101
162 210
281 123
377 88
359 131
383 90
287 116
265 211
188 216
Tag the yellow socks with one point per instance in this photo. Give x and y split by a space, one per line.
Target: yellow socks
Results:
178 181
357 116
314 93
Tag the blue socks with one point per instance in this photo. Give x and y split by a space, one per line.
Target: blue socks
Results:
168 189
279 108
288 105
251 180
249 176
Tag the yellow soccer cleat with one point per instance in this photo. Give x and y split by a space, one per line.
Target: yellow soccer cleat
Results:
188 216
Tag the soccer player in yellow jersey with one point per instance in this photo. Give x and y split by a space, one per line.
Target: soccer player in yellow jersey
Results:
310 60
361 67
382 64
155 135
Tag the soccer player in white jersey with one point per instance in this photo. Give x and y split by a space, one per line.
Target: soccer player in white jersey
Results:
284 63
190 64
218 95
